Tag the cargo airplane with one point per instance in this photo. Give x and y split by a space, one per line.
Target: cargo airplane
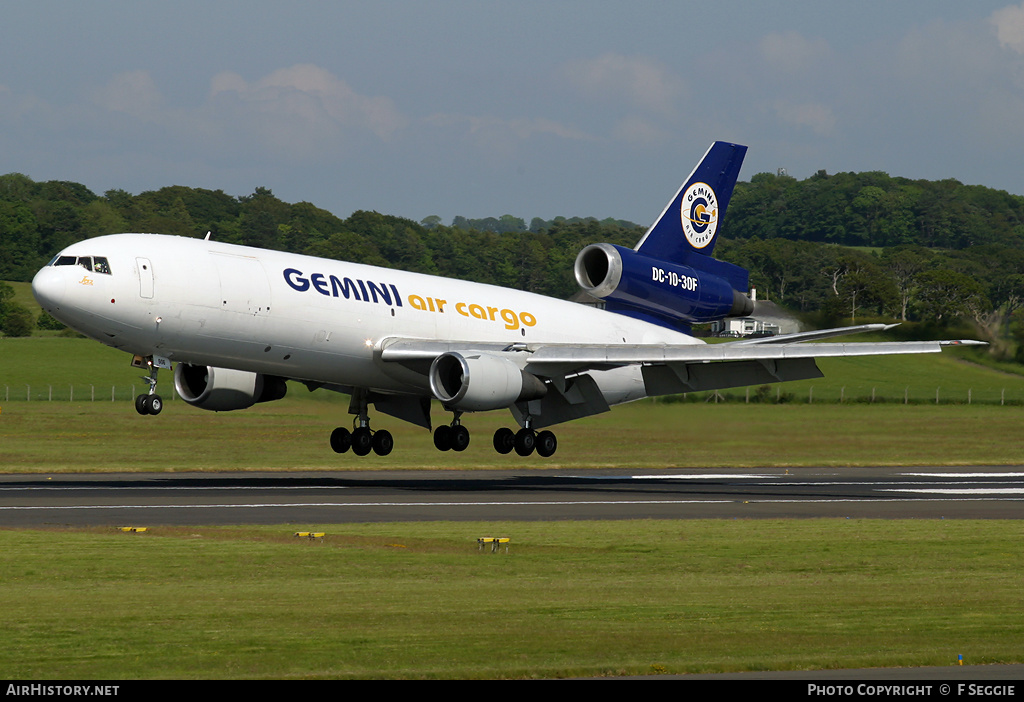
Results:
235 323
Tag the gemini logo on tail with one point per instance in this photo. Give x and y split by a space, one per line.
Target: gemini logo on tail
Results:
698 211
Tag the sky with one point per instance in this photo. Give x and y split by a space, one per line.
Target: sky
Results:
482 108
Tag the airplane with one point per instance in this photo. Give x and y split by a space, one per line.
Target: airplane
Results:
234 323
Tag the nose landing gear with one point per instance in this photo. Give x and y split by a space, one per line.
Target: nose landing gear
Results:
150 403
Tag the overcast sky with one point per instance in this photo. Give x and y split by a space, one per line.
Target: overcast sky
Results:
484 108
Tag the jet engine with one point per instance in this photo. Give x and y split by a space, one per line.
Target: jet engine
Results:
223 389
479 381
669 294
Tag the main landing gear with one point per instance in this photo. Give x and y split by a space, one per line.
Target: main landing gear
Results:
361 439
447 437
455 437
525 441
452 437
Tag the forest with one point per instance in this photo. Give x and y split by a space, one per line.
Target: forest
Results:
834 248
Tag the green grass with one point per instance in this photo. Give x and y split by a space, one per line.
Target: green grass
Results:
52 364
570 599
59 435
917 378
48 366
52 437
23 296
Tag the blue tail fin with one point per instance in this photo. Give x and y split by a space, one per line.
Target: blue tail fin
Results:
690 222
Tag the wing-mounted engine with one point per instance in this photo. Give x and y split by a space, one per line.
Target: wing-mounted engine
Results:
224 389
666 293
479 381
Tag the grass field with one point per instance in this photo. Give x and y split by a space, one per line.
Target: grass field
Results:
45 437
37 435
38 368
569 599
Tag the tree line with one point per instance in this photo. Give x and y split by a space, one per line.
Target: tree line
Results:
849 245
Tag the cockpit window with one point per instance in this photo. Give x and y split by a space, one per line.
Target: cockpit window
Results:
98 264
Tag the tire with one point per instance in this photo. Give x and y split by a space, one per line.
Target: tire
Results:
443 438
383 442
154 404
341 440
362 441
504 440
460 438
140 404
525 442
546 444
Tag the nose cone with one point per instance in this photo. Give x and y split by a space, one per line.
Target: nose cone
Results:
49 287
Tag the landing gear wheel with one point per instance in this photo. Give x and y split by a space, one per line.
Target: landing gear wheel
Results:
382 442
148 404
443 438
362 441
504 440
341 440
459 437
525 441
546 444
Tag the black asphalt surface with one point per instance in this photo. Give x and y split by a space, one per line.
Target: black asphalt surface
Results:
121 499
329 498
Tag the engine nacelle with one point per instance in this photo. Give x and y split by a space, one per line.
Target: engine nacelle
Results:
667 292
223 389
479 382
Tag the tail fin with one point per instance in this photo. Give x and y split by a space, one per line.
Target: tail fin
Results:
690 222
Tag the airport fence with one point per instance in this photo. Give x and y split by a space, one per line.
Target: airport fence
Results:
830 394
764 394
82 393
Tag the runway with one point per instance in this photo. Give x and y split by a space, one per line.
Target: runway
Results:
377 496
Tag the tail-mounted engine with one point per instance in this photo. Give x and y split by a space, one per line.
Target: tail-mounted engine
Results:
670 277
223 389
668 294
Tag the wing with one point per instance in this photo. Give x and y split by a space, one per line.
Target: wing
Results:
550 359
572 370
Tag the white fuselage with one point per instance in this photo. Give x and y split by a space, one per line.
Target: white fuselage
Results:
310 319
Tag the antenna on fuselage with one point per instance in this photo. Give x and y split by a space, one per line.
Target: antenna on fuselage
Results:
207 237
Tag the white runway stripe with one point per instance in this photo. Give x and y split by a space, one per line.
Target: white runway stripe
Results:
959 491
